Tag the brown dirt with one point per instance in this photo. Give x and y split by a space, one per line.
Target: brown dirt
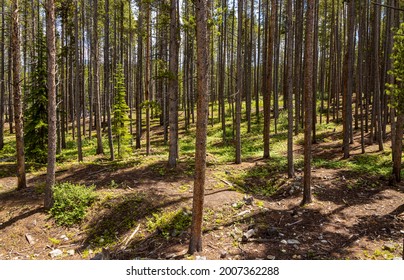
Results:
341 223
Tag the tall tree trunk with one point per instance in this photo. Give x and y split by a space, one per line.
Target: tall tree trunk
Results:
51 84
315 68
2 81
10 82
348 78
289 86
298 61
147 78
139 92
269 71
18 106
239 86
308 103
77 81
97 99
107 93
202 38
173 85
377 95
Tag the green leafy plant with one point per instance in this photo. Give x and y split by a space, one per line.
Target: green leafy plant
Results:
71 202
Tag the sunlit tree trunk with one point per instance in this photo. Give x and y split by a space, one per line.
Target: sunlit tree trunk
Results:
202 39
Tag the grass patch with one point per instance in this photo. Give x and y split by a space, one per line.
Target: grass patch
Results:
371 164
169 224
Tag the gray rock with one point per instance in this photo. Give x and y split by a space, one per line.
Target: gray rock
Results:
71 252
283 241
30 239
389 247
103 255
292 242
55 253
397 259
324 241
270 257
248 234
64 237
248 200
200 258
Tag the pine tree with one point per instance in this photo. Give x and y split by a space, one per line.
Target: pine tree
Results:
36 115
120 111
396 93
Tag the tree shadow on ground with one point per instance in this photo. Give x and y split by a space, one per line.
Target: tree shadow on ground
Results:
121 175
114 219
317 238
19 217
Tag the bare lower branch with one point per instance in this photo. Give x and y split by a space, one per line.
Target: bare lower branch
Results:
388 6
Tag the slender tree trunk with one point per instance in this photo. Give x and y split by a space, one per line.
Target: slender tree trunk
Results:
97 99
107 87
10 82
18 102
308 103
269 71
147 78
139 76
173 85
257 88
202 38
315 68
239 86
289 86
2 81
348 78
298 61
377 95
77 82
360 76
222 65
51 84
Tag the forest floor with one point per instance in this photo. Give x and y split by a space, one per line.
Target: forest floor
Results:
252 210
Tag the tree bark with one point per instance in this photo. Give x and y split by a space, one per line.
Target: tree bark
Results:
289 86
51 84
308 103
239 86
2 81
147 78
348 78
97 99
173 86
107 87
18 102
77 82
202 39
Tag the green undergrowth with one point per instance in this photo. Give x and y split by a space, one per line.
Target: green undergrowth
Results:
376 164
71 203
120 214
169 224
